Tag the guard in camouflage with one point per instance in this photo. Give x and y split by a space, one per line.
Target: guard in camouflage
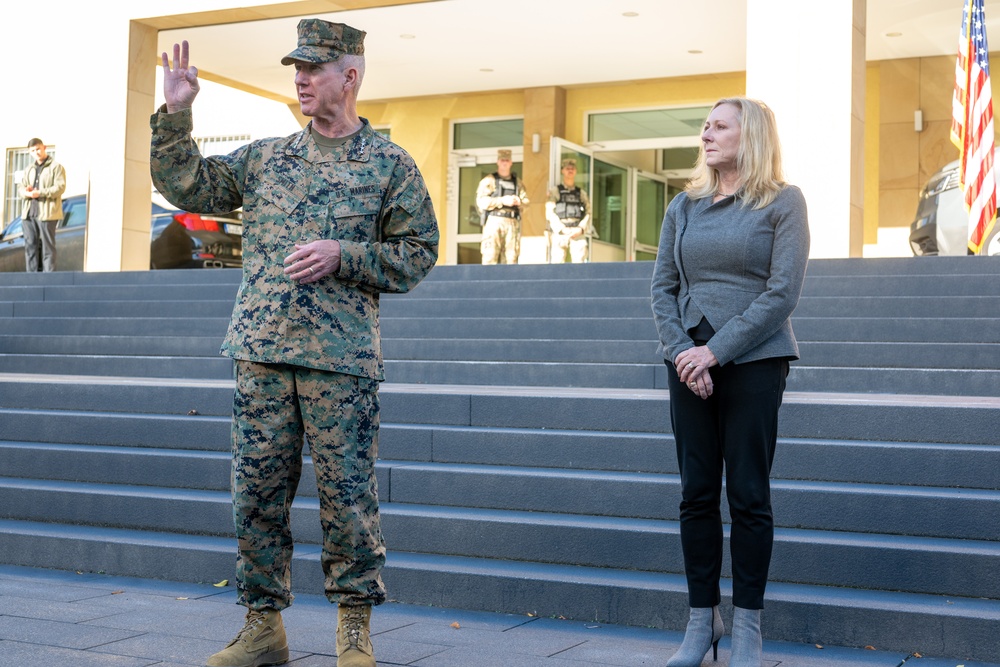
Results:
500 198
332 217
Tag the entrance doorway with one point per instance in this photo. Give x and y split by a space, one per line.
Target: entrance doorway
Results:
465 170
628 198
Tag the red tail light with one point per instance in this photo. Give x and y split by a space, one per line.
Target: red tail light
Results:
196 223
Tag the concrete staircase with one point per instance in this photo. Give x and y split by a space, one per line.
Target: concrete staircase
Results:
526 462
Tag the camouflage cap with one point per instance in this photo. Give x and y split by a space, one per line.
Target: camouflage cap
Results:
504 154
323 42
569 162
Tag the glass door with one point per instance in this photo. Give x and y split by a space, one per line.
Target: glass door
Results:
465 170
650 197
611 202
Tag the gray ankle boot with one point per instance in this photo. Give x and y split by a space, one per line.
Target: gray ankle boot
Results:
747 648
704 629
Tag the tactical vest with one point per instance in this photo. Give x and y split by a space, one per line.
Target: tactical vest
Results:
502 188
570 207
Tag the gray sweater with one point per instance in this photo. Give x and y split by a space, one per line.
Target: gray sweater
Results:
741 269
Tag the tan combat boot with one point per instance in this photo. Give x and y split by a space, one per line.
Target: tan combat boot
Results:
260 642
354 644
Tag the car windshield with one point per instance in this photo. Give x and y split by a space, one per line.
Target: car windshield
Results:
14 230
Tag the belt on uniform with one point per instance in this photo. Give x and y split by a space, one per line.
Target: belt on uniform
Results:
505 213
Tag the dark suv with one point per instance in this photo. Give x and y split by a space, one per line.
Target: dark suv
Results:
178 239
941 226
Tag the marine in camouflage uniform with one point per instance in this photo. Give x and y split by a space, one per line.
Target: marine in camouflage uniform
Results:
306 338
501 196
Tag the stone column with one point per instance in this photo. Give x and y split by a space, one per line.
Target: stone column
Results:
806 60
544 115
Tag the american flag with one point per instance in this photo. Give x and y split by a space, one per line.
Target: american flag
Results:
972 124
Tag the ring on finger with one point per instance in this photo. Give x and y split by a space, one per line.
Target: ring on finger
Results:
311 272
691 364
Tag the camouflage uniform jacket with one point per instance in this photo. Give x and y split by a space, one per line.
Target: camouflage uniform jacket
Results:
368 194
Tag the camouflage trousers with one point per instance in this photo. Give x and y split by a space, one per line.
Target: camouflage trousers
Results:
276 408
501 240
577 249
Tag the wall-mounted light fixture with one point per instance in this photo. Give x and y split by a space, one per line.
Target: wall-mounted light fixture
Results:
918 120
536 142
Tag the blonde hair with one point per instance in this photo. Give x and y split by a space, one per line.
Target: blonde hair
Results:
758 160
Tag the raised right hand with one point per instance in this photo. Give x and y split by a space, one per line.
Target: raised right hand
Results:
180 84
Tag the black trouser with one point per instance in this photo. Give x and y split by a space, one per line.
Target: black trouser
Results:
39 244
737 426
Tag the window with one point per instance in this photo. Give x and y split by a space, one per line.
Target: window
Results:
679 159
18 159
76 216
487 134
222 144
646 124
610 190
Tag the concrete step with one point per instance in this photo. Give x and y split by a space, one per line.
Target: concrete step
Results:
916 355
927 286
550 351
175 366
898 418
912 564
163 396
123 292
877 380
116 326
653 375
524 288
130 346
939 625
972 371
171 277
920 464
412 305
517 328
978 356
904 266
902 563
836 506
898 306
133 309
876 417
807 459
89 427
896 329
882 562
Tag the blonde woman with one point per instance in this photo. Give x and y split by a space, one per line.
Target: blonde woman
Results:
728 275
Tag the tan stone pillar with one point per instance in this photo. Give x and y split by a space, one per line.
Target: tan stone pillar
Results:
806 60
544 115
119 203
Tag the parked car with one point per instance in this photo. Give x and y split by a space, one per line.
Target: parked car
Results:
941 226
178 239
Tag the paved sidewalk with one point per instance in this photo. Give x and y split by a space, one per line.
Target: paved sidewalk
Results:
51 618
